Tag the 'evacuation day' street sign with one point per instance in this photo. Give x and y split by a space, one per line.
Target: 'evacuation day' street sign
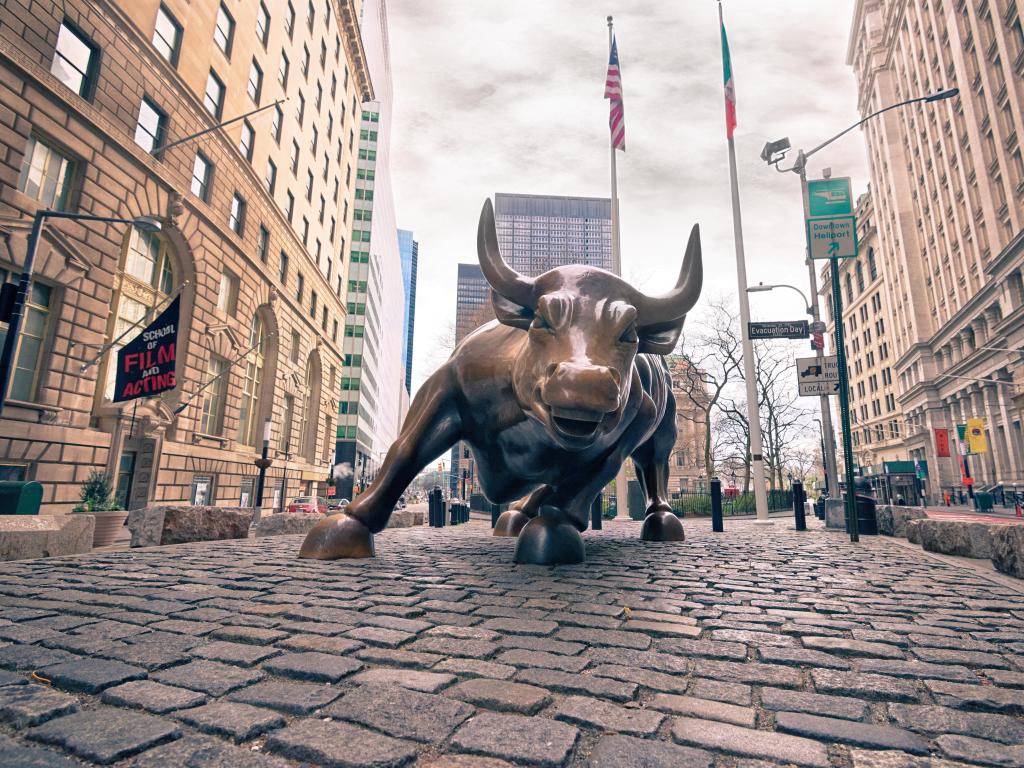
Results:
779 329
816 377
831 225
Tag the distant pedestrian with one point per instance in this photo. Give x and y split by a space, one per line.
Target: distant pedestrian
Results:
945 498
899 500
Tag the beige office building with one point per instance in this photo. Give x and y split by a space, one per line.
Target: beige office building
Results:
255 226
686 470
947 181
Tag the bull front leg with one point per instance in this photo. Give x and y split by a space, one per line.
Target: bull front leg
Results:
651 463
512 521
431 427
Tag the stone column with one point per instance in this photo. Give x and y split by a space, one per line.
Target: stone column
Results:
1012 448
995 445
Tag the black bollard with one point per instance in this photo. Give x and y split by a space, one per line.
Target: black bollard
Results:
432 507
798 506
596 519
716 505
495 513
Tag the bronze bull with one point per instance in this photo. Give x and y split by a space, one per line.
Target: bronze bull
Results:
552 397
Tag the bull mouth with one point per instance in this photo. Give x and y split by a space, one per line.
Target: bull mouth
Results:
576 424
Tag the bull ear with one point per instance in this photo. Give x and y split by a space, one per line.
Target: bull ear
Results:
510 313
660 339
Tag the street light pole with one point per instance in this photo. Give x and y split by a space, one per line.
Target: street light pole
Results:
263 462
144 223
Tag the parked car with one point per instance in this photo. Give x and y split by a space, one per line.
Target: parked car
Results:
308 504
336 505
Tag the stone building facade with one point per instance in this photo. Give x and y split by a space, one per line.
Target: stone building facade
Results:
686 470
947 181
255 229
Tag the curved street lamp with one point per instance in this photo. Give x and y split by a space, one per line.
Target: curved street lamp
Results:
773 154
760 287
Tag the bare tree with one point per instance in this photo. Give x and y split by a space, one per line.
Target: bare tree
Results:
713 349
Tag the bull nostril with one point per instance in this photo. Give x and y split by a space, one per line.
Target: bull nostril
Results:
551 370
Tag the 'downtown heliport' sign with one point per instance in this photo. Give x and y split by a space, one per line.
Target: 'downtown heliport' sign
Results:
145 365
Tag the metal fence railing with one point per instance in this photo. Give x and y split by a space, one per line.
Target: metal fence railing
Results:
696 504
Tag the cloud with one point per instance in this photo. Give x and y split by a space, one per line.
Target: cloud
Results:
498 97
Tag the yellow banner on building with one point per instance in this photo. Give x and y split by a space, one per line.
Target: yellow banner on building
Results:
976 441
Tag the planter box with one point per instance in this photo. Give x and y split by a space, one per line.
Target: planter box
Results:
165 524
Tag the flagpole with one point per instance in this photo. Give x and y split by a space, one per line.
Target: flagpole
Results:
753 416
621 489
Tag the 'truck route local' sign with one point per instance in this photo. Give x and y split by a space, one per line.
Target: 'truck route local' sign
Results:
145 365
831 225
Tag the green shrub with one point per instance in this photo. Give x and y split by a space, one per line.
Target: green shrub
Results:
95 494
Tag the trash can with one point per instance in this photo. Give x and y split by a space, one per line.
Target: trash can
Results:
20 498
864 502
983 501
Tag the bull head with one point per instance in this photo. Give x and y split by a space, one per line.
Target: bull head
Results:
585 328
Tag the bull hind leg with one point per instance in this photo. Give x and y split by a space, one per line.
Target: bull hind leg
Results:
651 463
431 427
512 521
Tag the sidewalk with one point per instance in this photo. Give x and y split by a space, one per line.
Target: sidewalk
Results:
758 646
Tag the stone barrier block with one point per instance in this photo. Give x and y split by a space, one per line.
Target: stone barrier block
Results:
405 518
835 514
165 524
951 537
1008 549
913 531
24 537
284 523
892 519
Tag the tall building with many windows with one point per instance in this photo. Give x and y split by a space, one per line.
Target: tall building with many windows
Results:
371 402
535 233
254 222
409 249
947 181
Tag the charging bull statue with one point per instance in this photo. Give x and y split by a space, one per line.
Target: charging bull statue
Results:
552 397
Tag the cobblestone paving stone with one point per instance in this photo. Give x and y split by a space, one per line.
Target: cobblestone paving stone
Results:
755 647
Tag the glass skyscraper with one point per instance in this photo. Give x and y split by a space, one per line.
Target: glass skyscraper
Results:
409 250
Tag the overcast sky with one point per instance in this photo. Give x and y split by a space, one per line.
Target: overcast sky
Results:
492 96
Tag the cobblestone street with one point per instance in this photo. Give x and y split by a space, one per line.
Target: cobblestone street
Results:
754 647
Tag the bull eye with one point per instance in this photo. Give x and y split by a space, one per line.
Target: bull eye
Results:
540 324
629 336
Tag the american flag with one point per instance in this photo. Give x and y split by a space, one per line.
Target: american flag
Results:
613 91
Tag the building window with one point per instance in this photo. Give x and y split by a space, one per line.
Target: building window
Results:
300 286
282 268
224 31
237 218
202 171
74 61
289 19
147 280
323 54
334 330
213 99
46 174
300 110
202 490
282 70
263 243
151 127
215 395
319 95
295 350
227 293
167 35
323 320
271 178
245 141
263 25
289 206
251 383
312 304
310 15
255 86
295 157
28 350
309 186
305 60
287 421
275 124
305 231
314 139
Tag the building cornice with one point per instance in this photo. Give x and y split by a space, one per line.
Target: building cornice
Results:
348 18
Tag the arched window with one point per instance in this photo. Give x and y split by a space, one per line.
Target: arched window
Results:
849 289
872 268
311 409
860 276
248 413
145 280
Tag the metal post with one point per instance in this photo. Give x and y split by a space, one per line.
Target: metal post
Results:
828 434
14 325
284 476
844 403
716 505
263 462
799 517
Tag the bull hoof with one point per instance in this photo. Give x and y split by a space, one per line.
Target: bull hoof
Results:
662 526
549 540
510 523
335 537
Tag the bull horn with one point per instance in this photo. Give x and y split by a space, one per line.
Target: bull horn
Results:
655 310
502 278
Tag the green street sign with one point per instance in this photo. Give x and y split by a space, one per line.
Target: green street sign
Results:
829 197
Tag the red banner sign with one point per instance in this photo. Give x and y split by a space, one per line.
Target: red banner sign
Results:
942 443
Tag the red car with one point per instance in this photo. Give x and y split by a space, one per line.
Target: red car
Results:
308 504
